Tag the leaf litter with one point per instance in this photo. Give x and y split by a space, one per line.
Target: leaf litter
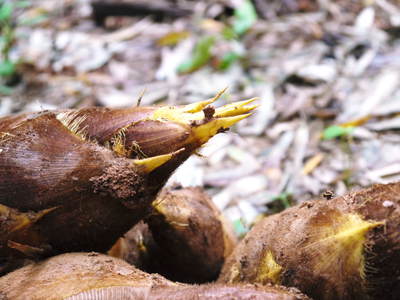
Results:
326 72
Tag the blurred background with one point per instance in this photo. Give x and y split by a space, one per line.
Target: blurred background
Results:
327 74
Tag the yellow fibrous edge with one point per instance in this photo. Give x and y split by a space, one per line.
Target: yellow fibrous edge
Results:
72 121
118 143
341 246
268 269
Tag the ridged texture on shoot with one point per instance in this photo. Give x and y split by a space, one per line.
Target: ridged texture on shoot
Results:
141 132
100 168
73 121
345 248
340 245
185 238
84 276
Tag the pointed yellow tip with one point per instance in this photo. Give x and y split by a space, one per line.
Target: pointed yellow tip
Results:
227 122
13 219
355 227
234 111
196 107
236 108
219 94
27 250
152 163
199 106
204 132
204 123
4 210
21 220
44 212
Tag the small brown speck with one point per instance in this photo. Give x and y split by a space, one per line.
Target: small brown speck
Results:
208 112
328 194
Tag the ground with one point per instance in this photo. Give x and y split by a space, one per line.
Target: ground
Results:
327 74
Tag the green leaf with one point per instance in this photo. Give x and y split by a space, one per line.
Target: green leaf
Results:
239 227
284 198
7 68
173 38
23 4
6 10
335 131
201 55
228 33
227 60
34 21
244 17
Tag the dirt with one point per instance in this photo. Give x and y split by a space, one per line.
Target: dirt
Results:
119 180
